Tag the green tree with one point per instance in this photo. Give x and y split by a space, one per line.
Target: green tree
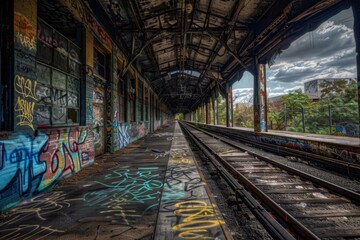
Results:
244 114
340 98
294 105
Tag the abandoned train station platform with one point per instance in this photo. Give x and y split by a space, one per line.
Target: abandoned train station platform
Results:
150 190
98 97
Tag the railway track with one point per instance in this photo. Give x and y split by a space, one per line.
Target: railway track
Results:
350 169
289 203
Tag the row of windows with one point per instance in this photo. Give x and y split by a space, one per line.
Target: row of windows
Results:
58 70
58 73
136 105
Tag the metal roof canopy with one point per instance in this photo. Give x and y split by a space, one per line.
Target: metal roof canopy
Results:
216 38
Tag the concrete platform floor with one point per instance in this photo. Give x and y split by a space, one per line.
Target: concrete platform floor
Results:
119 197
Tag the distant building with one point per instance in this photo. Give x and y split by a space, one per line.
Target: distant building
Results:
313 88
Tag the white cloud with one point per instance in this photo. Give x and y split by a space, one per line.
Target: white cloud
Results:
301 87
327 52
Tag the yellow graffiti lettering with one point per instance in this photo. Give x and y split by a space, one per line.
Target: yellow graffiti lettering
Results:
194 234
25 87
198 217
26 41
26 110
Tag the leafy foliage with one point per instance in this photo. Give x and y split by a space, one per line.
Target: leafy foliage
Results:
297 112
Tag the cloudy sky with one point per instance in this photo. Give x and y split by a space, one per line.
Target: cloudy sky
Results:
327 52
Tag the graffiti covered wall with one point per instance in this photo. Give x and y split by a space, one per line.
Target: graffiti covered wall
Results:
25 84
130 132
29 165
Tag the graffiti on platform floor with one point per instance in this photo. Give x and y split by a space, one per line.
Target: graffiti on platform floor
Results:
37 208
196 220
30 165
139 187
181 182
161 155
28 231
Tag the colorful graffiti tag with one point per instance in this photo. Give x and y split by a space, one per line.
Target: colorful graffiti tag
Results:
25 83
25 33
121 188
197 219
31 165
128 133
26 98
65 153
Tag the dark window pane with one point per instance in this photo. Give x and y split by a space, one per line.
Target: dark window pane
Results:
74 60
73 115
61 52
99 63
42 115
73 84
43 94
59 97
44 46
58 80
72 100
58 115
43 74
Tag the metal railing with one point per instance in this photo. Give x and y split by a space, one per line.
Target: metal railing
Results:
330 120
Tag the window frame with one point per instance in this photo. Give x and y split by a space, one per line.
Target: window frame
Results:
52 66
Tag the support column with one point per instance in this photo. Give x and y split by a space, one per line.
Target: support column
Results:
260 101
356 11
203 117
229 106
207 113
196 115
215 107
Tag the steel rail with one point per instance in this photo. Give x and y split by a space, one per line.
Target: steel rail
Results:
351 195
232 177
338 165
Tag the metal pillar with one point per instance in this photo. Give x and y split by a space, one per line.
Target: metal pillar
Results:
203 114
207 119
260 99
215 107
356 11
229 106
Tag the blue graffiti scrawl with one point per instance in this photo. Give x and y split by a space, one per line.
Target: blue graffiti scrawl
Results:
124 137
20 167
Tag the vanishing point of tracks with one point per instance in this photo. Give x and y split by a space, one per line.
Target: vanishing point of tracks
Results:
289 203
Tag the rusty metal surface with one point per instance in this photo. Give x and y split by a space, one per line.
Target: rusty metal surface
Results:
214 38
